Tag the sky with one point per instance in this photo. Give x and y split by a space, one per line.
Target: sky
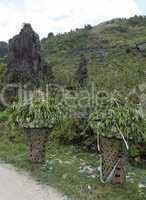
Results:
59 16
142 5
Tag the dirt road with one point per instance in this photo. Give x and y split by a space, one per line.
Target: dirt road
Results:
16 185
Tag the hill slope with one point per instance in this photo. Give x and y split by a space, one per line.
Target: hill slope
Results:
115 51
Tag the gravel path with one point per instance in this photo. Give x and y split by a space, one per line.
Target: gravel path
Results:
16 185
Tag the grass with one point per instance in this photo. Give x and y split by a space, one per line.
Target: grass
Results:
71 170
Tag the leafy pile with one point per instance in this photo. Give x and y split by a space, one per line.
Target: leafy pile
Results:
37 113
114 117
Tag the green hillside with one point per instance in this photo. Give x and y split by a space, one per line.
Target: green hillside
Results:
115 53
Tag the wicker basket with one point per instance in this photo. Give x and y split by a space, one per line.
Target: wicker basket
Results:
36 139
113 159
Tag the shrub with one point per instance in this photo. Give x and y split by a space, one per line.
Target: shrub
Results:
75 130
134 151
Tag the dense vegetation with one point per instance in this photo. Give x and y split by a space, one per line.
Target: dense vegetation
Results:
113 59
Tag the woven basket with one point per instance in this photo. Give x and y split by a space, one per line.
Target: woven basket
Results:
36 139
113 160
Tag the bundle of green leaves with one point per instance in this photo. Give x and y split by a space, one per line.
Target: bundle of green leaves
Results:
37 113
114 117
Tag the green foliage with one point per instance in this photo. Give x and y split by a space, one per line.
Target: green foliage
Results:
75 131
114 117
4 116
74 128
134 151
137 20
37 113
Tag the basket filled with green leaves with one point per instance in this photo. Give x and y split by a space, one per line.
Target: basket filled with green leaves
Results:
37 117
116 123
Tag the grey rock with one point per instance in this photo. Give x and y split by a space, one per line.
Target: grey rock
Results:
24 57
141 46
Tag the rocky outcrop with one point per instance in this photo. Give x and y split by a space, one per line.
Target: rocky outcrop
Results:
82 72
24 57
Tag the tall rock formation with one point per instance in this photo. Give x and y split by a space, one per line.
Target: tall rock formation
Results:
24 57
82 72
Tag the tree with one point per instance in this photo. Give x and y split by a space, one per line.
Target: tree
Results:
88 27
50 34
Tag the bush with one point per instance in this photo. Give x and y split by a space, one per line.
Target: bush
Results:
75 130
